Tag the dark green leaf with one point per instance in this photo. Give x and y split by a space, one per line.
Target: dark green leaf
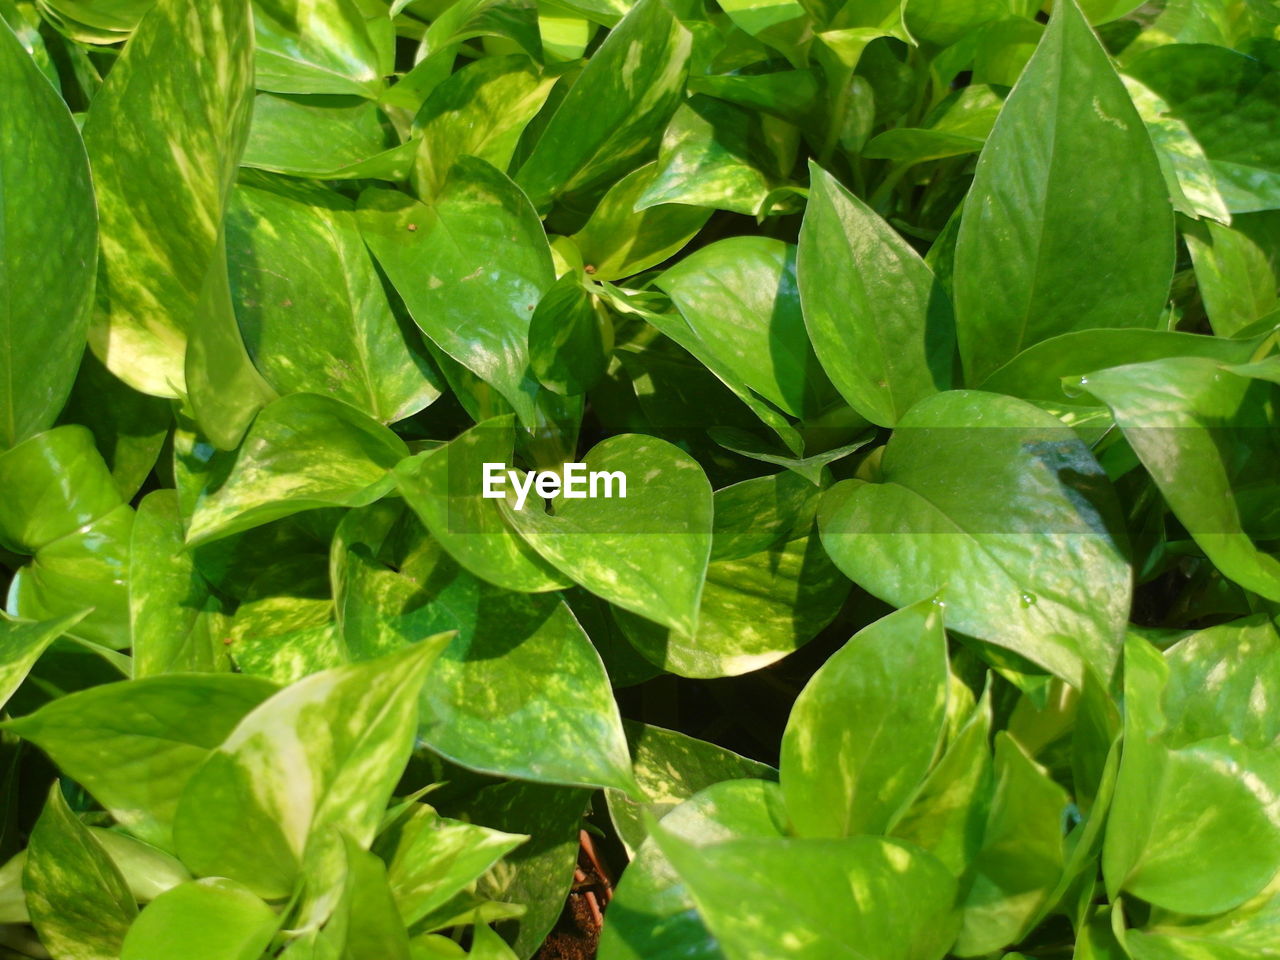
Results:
570 337
48 247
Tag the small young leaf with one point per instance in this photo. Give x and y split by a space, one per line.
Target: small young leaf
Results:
570 337
431 858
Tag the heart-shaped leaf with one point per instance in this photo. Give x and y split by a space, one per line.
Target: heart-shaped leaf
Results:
646 551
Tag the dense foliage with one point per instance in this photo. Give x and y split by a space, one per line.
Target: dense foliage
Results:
936 340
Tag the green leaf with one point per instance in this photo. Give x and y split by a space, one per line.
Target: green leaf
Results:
673 326
880 323
948 816
213 919
78 900
480 111
800 891
328 137
48 247
304 452
671 767
1019 533
471 269
1188 174
133 745
225 391
1171 805
21 645
62 507
539 873
443 487
1237 270
653 916
304 47
570 337
1220 681
647 551
614 114
1230 103
715 155
739 297
519 691
297 252
55 483
431 858
368 909
86 568
1064 256
942 22
619 240
147 870
466 19
1172 413
1021 858
887 685
1039 372
754 611
1242 934
171 606
487 945
129 428
275 787
763 512
164 137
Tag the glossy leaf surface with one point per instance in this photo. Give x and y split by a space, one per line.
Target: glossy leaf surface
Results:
1064 258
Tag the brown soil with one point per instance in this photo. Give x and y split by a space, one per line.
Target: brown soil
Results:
577 932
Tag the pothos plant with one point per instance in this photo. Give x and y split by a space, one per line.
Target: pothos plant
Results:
935 338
